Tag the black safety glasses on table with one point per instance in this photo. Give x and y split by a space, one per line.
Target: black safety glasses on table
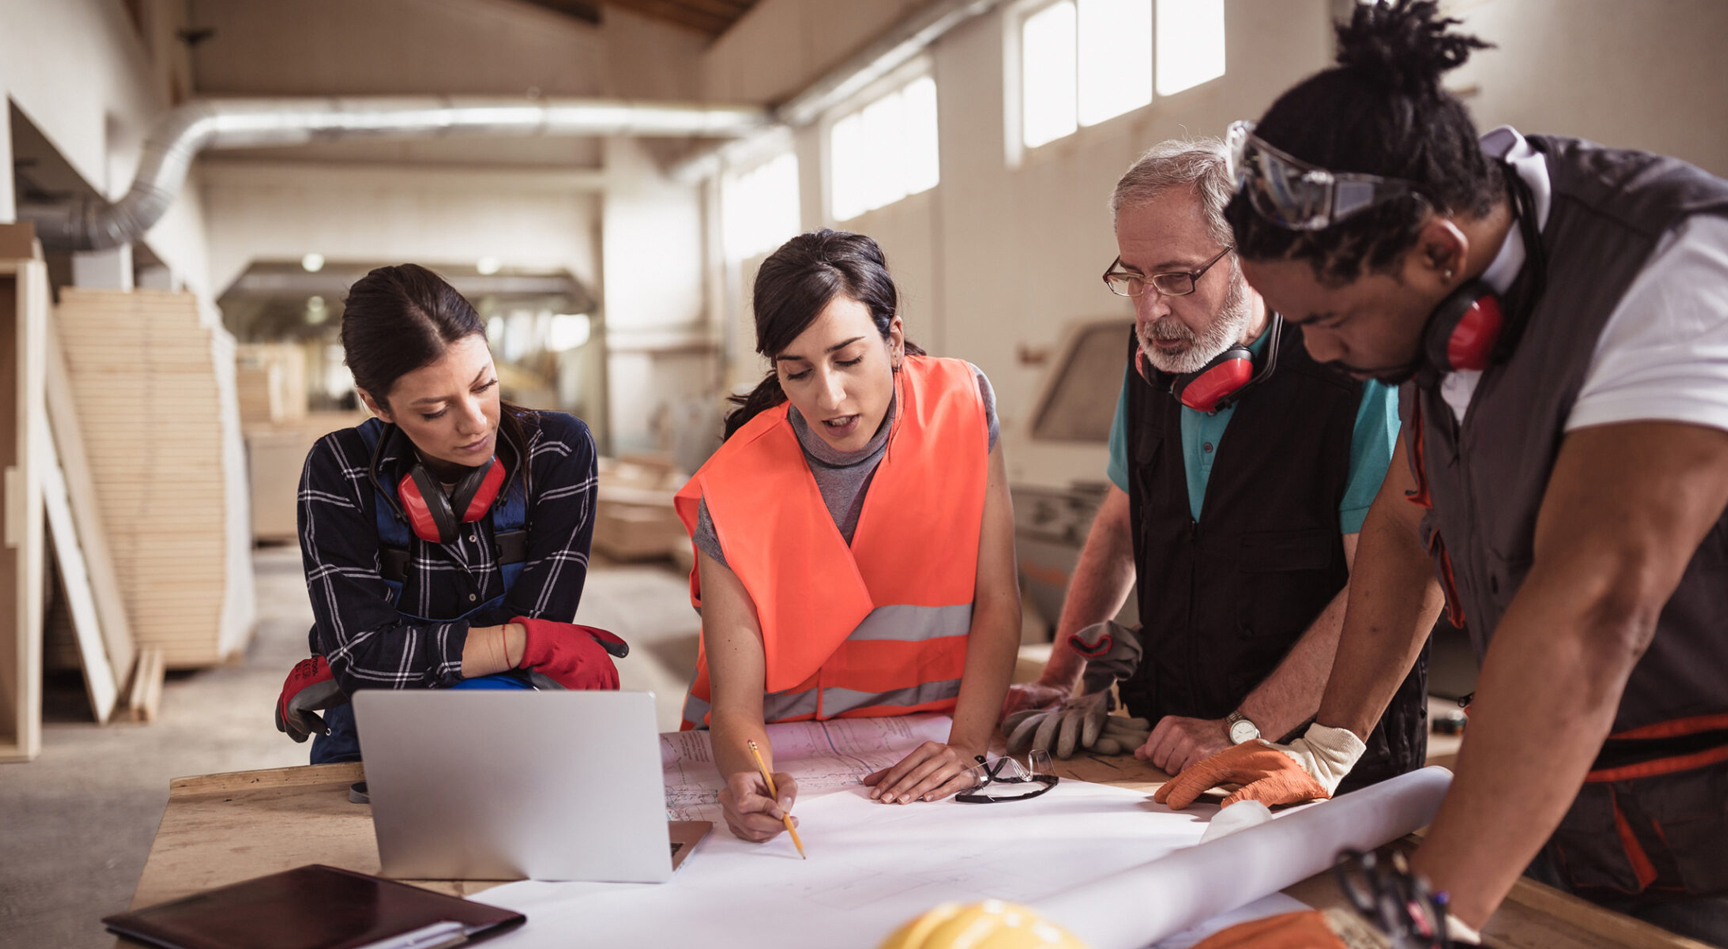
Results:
1397 901
1005 779
1297 195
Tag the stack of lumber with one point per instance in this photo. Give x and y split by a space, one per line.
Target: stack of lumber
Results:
275 456
154 388
634 519
270 379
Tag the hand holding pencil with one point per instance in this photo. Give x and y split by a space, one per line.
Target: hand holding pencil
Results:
753 812
785 813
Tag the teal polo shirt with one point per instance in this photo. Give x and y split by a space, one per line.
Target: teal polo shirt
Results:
1371 445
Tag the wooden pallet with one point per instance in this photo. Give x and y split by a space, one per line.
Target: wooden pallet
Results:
154 388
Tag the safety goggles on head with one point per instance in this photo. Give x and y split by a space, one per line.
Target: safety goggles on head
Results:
1005 779
1296 195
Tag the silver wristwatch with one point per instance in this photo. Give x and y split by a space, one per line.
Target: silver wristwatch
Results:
1239 728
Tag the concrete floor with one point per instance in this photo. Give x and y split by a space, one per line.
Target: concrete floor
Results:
78 821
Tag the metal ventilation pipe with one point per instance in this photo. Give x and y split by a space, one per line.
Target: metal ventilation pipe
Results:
183 132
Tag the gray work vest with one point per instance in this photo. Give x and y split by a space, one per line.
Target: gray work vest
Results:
1652 818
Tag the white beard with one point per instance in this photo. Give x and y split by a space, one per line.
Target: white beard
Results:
1225 330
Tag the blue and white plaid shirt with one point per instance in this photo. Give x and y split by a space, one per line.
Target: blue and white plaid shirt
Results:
368 642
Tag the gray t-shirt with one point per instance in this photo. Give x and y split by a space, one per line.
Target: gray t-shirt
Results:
843 477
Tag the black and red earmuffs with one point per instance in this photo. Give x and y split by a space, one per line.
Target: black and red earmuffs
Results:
1222 381
420 499
1464 329
434 516
1470 329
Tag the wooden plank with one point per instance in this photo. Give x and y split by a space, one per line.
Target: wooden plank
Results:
144 698
301 776
86 514
14 714
153 383
101 682
289 817
23 318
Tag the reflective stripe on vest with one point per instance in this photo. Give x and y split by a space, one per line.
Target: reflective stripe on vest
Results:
878 627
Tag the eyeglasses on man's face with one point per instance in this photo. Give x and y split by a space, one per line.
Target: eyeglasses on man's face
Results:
1175 283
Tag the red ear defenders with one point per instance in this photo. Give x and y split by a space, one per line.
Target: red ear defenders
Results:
1222 381
433 515
1469 329
1464 329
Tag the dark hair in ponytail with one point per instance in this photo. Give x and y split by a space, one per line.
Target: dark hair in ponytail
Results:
397 319
1380 111
793 286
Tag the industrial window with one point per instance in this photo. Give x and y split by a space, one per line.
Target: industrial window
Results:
1085 61
884 151
759 208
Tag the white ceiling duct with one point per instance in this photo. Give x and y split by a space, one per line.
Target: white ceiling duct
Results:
180 134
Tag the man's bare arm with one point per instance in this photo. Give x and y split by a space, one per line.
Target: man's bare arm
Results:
1625 509
1394 598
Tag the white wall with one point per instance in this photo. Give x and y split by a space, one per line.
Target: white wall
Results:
1645 75
663 346
603 210
83 75
395 47
777 48
282 211
996 258
999 258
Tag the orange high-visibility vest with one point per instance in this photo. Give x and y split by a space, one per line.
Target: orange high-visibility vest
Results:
879 628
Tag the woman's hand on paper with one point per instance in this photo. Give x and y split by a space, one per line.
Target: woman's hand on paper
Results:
1178 743
930 773
750 813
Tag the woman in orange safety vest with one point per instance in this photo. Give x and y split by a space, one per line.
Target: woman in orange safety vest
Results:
854 537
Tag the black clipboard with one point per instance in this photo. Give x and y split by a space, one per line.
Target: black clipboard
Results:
311 907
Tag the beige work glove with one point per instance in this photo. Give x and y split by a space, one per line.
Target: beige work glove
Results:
1083 723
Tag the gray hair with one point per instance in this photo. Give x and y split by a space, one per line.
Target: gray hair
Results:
1200 163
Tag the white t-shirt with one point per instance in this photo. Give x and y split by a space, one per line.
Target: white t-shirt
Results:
1663 354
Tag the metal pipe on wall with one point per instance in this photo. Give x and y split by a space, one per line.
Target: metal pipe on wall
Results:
182 133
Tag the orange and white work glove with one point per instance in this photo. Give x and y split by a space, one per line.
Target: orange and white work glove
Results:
1309 768
1306 929
1335 928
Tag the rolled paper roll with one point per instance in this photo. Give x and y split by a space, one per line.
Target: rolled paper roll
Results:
1144 904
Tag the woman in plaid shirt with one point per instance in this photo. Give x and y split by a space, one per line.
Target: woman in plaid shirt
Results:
445 541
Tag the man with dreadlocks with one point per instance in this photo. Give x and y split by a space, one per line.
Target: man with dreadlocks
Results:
1561 309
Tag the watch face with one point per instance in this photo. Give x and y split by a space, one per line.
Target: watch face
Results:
1242 731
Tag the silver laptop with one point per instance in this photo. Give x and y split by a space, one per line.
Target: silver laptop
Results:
511 785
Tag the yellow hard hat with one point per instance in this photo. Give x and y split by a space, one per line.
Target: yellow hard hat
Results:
991 924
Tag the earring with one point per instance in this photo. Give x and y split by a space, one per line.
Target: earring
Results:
1448 274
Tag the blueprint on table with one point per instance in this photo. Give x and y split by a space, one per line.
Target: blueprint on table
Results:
824 757
871 867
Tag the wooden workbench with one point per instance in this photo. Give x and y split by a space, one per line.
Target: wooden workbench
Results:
223 828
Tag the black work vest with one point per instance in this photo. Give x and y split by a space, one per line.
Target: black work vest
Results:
1224 599
1652 817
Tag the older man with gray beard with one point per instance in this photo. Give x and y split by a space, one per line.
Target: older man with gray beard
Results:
1241 471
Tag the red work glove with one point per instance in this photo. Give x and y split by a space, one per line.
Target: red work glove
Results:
1266 774
572 656
309 686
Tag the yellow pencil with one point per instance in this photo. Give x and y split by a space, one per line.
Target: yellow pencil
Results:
757 754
